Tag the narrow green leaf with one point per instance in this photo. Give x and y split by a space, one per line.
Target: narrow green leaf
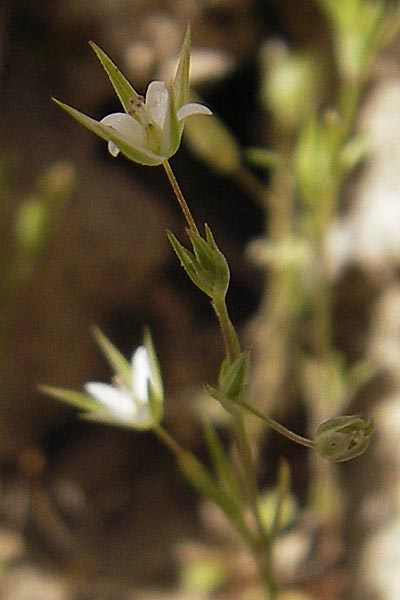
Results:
202 480
124 90
223 467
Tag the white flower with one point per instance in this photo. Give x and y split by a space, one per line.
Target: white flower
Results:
135 397
148 126
150 130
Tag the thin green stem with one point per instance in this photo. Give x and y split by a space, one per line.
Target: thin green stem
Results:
258 542
180 197
260 547
169 441
298 439
231 341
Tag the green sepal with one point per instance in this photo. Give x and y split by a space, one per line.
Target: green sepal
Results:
222 272
207 267
117 361
234 376
190 263
204 263
186 258
76 399
141 156
173 128
124 90
181 84
212 265
156 390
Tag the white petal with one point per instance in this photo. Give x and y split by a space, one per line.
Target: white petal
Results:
157 100
193 108
113 149
127 127
107 417
141 375
116 400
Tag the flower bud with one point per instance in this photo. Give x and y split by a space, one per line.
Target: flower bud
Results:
342 438
232 382
206 265
233 377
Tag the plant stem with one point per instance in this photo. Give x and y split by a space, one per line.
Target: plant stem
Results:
180 197
298 439
169 441
262 547
232 346
258 543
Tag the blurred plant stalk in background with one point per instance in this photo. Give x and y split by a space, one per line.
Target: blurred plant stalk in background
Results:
27 237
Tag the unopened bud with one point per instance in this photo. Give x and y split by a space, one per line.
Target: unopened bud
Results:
342 438
206 265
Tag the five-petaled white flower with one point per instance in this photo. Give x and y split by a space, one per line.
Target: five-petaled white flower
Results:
128 403
150 130
134 399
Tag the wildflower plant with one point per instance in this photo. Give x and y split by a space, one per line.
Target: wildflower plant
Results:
149 132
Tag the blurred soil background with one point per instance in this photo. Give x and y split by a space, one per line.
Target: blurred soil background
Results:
92 513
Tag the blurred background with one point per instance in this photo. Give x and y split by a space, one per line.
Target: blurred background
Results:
88 512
